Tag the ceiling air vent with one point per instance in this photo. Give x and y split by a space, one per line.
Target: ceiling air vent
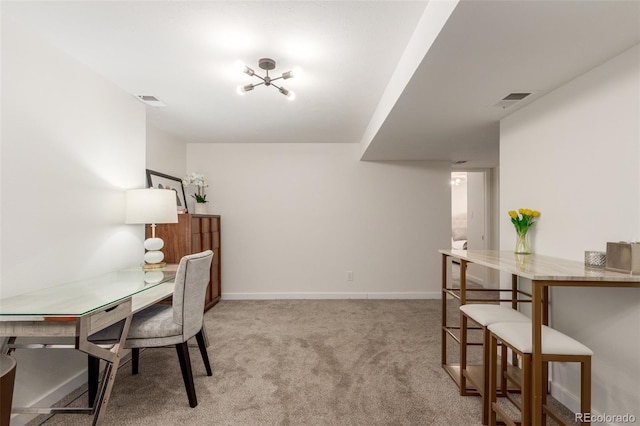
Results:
511 99
151 100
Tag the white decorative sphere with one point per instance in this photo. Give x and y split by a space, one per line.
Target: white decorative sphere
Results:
153 243
153 277
153 256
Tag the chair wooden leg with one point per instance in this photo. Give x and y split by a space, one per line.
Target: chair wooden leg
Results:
545 381
525 391
585 386
187 375
504 365
486 401
463 353
93 368
135 360
493 380
203 351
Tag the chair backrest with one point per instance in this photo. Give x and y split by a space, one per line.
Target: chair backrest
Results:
192 277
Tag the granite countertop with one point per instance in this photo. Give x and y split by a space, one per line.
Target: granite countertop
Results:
539 267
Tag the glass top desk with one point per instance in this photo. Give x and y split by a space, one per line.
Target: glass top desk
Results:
79 309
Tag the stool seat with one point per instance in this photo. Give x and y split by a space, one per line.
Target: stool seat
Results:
553 342
485 314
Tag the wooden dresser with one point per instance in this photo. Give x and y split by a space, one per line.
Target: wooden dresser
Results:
192 234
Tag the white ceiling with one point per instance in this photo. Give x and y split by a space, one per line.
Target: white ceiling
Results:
486 50
183 53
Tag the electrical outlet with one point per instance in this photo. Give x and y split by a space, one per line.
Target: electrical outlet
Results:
349 275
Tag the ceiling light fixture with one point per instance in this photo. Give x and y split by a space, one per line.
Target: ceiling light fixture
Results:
267 64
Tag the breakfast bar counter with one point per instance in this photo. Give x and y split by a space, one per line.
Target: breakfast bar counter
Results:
544 272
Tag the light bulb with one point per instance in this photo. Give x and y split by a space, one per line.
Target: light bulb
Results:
295 72
241 67
285 92
291 96
238 66
241 90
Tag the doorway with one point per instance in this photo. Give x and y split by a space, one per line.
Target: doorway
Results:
470 216
459 210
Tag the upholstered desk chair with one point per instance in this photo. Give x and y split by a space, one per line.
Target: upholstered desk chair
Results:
164 325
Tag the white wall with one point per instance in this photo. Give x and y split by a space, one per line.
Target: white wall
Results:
72 142
165 153
297 217
575 156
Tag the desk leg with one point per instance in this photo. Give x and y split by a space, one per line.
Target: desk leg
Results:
539 382
81 327
110 374
93 366
5 345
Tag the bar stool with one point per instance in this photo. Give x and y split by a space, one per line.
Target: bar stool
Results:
482 314
556 347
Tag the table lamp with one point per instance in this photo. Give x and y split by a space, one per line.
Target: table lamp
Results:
151 206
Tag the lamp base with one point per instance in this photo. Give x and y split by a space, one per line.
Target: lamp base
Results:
151 266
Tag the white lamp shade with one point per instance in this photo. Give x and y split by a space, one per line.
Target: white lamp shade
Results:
151 206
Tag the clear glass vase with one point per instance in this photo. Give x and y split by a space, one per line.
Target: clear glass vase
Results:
522 243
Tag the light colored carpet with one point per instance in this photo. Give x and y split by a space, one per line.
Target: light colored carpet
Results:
299 362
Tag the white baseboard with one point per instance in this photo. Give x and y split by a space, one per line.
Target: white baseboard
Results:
569 400
565 397
381 295
406 295
475 279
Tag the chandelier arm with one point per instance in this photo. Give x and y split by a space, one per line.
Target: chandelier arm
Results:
267 64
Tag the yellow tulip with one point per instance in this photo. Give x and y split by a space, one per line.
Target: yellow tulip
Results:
521 211
528 212
535 213
513 214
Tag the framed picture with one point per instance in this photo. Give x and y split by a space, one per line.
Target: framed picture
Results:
162 181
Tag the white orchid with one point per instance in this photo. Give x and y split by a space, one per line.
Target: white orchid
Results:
198 180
